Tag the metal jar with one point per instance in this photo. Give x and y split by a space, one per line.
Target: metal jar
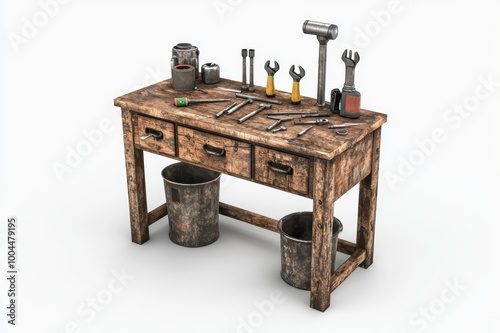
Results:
192 195
296 248
185 53
183 77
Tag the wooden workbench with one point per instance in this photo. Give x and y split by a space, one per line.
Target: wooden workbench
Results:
320 165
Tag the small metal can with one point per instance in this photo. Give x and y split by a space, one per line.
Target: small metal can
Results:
183 77
210 73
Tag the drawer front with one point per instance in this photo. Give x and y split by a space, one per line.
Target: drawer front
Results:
163 139
285 171
218 153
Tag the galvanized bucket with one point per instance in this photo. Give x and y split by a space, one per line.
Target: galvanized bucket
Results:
192 195
296 247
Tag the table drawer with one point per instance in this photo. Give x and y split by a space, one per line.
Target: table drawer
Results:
164 139
285 171
215 152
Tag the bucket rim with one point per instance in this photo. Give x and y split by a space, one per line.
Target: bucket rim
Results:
191 165
286 217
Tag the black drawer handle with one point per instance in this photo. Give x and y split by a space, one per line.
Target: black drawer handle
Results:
214 150
280 168
152 133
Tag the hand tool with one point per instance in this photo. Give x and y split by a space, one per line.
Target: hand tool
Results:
251 55
324 32
270 91
325 114
227 89
296 84
253 113
345 125
281 128
199 89
221 112
239 106
184 101
304 131
350 105
277 122
260 99
335 97
244 53
286 113
341 132
317 122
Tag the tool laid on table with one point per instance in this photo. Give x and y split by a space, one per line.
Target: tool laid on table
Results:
281 128
239 106
277 122
350 105
184 101
286 113
201 90
345 125
259 99
304 131
251 55
244 54
324 32
253 113
296 84
221 112
324 114
227 89
317 122
270 90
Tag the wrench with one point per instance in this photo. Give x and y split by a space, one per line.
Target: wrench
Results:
270 91
317 122
296 83
253 113
350 65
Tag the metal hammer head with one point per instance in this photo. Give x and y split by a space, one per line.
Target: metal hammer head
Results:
265 105
324 31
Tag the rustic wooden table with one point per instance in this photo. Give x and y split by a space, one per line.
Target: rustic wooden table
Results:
320 165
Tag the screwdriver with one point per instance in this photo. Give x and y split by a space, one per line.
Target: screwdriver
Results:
184 101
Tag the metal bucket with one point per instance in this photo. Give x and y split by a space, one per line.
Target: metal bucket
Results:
192 195
296 247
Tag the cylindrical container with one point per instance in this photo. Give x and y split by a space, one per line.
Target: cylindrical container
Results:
183 77
192 195
185 53
296 248
210 73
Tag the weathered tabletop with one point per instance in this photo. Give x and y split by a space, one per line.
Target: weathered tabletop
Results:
157 101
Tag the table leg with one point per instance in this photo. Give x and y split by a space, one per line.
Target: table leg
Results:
367 206
134 162
323 198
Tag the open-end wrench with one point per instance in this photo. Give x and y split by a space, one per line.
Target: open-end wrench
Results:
239 106
253 113
270 91
350 105
317 122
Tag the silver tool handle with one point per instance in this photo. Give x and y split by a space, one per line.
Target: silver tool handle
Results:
239 106
260 99
250 115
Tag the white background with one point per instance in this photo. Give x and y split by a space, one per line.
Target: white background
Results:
420 61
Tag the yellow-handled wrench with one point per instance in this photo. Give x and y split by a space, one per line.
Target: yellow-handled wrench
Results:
296 84
270 91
